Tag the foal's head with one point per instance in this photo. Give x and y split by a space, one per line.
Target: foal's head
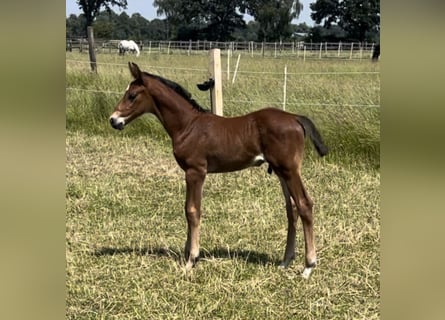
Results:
135 102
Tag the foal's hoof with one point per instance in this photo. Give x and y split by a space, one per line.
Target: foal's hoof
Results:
307 272
309 268
286 262
189 266
191 263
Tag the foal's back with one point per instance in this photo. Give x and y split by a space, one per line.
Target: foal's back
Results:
235 143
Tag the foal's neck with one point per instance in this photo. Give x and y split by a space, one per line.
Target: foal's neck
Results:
174 112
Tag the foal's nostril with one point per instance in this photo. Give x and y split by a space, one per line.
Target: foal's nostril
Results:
116 124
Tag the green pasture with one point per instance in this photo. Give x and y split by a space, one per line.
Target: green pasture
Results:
125 225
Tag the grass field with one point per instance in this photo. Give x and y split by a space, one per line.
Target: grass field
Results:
125 225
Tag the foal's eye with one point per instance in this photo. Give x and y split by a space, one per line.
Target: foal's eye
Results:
131 96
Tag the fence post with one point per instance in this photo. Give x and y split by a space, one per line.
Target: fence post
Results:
352 47
215 73
91 51
284 87
236 68
229 52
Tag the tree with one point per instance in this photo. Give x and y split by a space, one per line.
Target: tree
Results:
91 9
180 15
158 30
218 19
327 11
109 25
198 19
138 25
302 28
104 25
122 26
250 33
75 26
360 19
332 34
222 20
273 16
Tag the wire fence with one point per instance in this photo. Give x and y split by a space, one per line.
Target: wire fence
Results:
239 72
245 101
276 76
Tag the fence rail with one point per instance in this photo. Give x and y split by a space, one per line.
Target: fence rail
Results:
334 50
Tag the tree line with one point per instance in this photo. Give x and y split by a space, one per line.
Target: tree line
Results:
222 20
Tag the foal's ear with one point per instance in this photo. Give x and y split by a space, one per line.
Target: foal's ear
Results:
135 71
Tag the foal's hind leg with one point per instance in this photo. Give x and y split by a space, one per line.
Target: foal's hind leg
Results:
304 207
292 217
194 181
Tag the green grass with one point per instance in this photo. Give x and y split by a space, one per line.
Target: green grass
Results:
125 225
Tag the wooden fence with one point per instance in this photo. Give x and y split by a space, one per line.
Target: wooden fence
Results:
310 50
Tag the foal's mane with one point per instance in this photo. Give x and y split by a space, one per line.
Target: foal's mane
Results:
179 90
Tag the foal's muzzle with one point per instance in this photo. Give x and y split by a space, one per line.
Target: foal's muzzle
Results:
117 123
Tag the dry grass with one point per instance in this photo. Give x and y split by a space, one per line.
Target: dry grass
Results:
125 226
126 231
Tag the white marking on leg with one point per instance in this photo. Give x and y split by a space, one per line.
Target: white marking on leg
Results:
258 160
188 266
307 272
259 157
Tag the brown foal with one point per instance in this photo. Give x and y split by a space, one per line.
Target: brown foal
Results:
206 143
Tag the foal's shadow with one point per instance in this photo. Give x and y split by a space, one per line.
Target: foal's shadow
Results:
249 256
159 252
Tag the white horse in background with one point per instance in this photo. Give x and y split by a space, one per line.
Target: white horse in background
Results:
128 46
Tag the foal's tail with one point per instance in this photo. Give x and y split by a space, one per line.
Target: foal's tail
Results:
311 130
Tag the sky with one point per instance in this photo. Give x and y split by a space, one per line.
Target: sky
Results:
146 9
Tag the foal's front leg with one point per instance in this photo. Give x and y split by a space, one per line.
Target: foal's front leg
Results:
194 180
